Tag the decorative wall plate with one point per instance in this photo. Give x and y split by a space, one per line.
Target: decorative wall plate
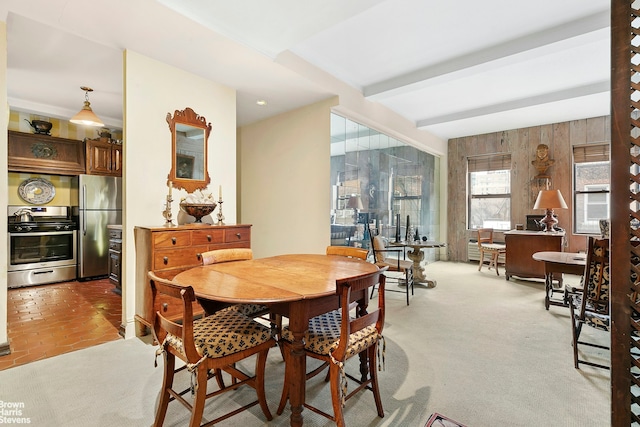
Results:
37 191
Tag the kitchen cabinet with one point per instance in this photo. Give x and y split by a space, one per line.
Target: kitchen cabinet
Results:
115 256
44 154
169 251
103 157
521 245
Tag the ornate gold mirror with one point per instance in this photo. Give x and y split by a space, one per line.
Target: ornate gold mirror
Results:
189 138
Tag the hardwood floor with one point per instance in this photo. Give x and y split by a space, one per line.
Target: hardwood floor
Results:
48 320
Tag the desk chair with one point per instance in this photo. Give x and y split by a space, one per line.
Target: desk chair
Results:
591 307
210 344
348 251
335 337
486 246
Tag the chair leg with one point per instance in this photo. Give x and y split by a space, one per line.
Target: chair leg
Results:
481 260
336 396
373 374
574 334
285 387
167 383
261 362
495 262
201 395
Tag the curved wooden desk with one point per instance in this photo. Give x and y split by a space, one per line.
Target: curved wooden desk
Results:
559 262
296 286
417 256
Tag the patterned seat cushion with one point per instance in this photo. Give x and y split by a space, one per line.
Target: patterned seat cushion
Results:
224 332
250 310
323 335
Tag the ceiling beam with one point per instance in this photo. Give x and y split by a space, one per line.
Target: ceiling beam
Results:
562 37
586 90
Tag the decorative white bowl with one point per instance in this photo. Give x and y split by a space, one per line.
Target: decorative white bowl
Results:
198 210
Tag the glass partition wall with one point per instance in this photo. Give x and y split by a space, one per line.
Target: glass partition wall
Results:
379 180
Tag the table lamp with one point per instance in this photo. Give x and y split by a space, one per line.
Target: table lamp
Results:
549 200
354 203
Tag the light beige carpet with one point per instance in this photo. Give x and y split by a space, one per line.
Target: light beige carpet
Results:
476 348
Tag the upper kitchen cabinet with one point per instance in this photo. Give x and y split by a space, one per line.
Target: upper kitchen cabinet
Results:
45 154
103 157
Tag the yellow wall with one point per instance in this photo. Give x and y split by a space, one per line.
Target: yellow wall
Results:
62 185
284 181
153 89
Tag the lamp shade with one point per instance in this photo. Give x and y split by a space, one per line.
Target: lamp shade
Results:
86 116
354 202
550 199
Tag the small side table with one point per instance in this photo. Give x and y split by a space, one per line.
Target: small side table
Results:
559 262
417 256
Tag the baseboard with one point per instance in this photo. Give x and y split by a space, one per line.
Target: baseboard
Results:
5 349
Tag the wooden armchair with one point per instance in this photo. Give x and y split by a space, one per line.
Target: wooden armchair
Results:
487 247
591 307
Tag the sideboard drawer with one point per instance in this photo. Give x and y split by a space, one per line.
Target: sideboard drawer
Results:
207 237
172 239
235 235
178 258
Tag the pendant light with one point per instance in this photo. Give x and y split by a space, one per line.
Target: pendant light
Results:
86 116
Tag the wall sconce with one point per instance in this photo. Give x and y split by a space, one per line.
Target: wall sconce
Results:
86 116
549 200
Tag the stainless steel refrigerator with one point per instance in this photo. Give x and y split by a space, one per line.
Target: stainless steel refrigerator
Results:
98 203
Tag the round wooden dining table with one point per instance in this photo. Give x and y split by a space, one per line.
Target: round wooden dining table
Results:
297 286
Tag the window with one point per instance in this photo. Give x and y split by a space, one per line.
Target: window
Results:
489 192
591 176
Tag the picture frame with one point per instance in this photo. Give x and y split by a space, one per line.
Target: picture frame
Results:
184 166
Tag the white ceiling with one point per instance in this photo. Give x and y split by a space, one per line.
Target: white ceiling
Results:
452 68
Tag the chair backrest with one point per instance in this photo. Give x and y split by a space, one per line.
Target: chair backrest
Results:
596 277
180 327
378 249
344 289
348 251
226 255
485 235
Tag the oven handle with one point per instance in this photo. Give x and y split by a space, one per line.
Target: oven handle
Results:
42 233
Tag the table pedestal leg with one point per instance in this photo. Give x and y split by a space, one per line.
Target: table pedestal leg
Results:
417 256
297 368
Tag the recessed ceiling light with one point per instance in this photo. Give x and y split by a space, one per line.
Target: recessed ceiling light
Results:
261 102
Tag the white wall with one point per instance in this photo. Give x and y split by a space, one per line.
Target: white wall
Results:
284 181
153 89
4 119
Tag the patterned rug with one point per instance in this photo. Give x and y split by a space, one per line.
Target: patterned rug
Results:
437 420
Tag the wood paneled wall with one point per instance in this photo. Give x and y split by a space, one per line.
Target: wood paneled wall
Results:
521 143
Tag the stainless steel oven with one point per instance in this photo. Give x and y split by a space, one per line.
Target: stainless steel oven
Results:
42 245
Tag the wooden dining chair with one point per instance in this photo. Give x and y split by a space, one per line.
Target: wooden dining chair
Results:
591 306
229 255
487 247
348 251
393 264
206 345
336 336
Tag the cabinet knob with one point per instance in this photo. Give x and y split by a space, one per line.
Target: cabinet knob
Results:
174 240
165 306
165 260
208 237
238 235
199 256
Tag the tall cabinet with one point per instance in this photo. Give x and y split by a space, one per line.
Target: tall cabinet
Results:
169 251
521 245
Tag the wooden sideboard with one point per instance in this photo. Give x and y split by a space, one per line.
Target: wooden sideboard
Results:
521 245
169 251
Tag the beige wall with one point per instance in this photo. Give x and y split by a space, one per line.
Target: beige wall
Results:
153 89
284 181
521 143
4 117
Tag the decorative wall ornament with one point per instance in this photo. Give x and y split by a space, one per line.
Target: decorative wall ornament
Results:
542 161
44 150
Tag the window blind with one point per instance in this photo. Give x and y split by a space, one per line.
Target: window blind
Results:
591 153
494 162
